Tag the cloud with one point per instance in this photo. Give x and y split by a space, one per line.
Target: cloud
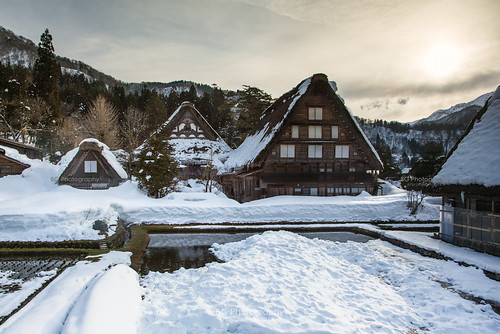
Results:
487 81
403 101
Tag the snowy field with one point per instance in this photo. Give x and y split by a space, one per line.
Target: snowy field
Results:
34 207
276 282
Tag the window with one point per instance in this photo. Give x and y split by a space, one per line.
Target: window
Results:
314 192
90 166
330 191
341 151
352 169
287 151
314 131
295 131
335 131
315 113
315 151
484 206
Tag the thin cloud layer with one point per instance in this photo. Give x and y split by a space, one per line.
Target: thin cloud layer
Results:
374 50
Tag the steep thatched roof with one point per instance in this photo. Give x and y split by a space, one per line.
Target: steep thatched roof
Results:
188 108
472 163
274 120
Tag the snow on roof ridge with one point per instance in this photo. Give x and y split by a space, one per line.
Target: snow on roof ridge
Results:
107 154
476 155
14 154
95 141
256 142
365 137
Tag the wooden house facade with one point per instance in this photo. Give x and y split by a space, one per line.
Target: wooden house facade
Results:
306 143
93 166
195 143
469 184
29 151
9 165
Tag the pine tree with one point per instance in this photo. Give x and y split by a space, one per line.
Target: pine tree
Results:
46 73
156 168
156 112
391 169
252 102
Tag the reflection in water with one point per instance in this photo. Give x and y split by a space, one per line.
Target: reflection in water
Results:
170 252
173 258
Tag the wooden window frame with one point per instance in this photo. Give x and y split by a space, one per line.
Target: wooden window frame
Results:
287 151
335 131
342 151
315 113
314 132
313 150
90 166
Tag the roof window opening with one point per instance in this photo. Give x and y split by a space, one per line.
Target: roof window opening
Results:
90 166
315 113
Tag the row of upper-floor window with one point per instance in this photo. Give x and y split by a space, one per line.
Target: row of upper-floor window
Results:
316 132
314 151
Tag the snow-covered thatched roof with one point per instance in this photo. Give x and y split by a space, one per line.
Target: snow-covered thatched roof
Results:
274 119
199 144
91 143
476 156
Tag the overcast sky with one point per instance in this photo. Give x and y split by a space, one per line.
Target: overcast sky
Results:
392 59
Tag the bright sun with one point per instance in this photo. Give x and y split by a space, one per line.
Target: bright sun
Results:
442 60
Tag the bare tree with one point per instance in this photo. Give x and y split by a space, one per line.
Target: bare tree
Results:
70 134
101 122
132 130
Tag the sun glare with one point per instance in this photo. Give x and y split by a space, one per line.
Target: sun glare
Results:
442 60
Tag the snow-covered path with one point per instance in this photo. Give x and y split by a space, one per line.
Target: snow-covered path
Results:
280 282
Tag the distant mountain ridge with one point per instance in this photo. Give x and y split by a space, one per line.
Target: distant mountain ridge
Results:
457 113
18 50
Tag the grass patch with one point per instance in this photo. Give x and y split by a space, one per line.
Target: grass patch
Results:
137 245
59 252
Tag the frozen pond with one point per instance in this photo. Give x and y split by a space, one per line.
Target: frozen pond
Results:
170 252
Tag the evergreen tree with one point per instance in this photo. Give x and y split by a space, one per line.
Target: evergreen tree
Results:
156 168
173 102
190 96
251 103
430 161
46 73
156 112
391 169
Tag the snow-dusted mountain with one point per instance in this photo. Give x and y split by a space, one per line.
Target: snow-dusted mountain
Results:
456 113
444 126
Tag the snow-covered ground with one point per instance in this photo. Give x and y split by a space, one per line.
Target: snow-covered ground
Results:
275 282
34 207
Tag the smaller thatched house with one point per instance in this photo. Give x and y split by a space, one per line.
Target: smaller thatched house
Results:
92 166
195 143
469 182
9 165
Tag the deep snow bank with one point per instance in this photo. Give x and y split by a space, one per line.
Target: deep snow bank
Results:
280 282
34 207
